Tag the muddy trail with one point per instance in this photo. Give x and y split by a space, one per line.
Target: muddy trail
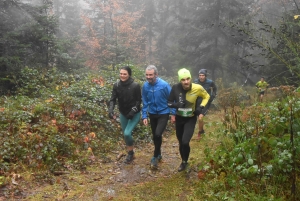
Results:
109 178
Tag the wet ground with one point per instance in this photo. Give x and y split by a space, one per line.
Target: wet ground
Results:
105 179
139 170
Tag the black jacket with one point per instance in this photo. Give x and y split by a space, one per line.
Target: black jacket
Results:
128 94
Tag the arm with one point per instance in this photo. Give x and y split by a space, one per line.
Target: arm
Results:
214 87
257 85
138 95
171 100
136 108
145 102
173 110
112 102
172 103
205 97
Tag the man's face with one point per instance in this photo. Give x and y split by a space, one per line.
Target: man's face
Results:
151 76
186 83
262 79
202 77
124 75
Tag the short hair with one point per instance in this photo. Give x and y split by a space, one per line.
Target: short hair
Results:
152 67
127 68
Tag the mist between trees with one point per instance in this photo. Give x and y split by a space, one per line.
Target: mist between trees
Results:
236 40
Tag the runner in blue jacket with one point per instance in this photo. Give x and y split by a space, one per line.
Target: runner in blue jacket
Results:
155 93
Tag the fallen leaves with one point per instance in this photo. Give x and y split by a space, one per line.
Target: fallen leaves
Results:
120 155
201 174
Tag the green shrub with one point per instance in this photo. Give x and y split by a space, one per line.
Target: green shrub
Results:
56 117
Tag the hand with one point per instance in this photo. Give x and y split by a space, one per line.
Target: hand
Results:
173 119
145 121
176 105
111 115
132 112
180 104
198 111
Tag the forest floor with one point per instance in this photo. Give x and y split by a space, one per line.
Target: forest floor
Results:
109 178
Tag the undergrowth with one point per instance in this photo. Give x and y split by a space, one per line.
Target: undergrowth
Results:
57 121
56 118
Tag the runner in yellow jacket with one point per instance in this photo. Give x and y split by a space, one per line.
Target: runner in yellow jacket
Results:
183 97
262 86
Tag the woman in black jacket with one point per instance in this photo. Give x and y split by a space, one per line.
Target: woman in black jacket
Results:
129 98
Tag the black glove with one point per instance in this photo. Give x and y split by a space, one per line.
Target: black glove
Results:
176 105
198 110
180 104
111 106
111 115
132 112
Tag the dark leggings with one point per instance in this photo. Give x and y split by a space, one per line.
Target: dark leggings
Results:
158 124
185 127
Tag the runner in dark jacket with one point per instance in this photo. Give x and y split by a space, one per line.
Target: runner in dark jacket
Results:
128 94
211 89
183 97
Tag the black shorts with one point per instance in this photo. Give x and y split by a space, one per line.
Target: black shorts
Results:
262 93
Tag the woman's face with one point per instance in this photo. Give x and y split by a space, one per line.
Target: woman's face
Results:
124 75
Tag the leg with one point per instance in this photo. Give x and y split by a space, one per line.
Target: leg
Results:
153 124
158 125
127 126
262 93
179 126
131 124
184 131
201 120
189 128
200 125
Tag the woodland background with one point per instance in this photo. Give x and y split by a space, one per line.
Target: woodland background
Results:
236 40
59 59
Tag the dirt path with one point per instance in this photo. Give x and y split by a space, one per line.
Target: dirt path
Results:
110 179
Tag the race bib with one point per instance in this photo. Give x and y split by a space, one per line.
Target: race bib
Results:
185 112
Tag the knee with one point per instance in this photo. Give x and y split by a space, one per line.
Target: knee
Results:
185 143
127 135
200 117
128 139
156 137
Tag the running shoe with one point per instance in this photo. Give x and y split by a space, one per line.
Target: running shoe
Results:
199 134
129 158
159 158
154 163
182 166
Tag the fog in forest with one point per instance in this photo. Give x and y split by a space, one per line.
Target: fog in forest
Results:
238 40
